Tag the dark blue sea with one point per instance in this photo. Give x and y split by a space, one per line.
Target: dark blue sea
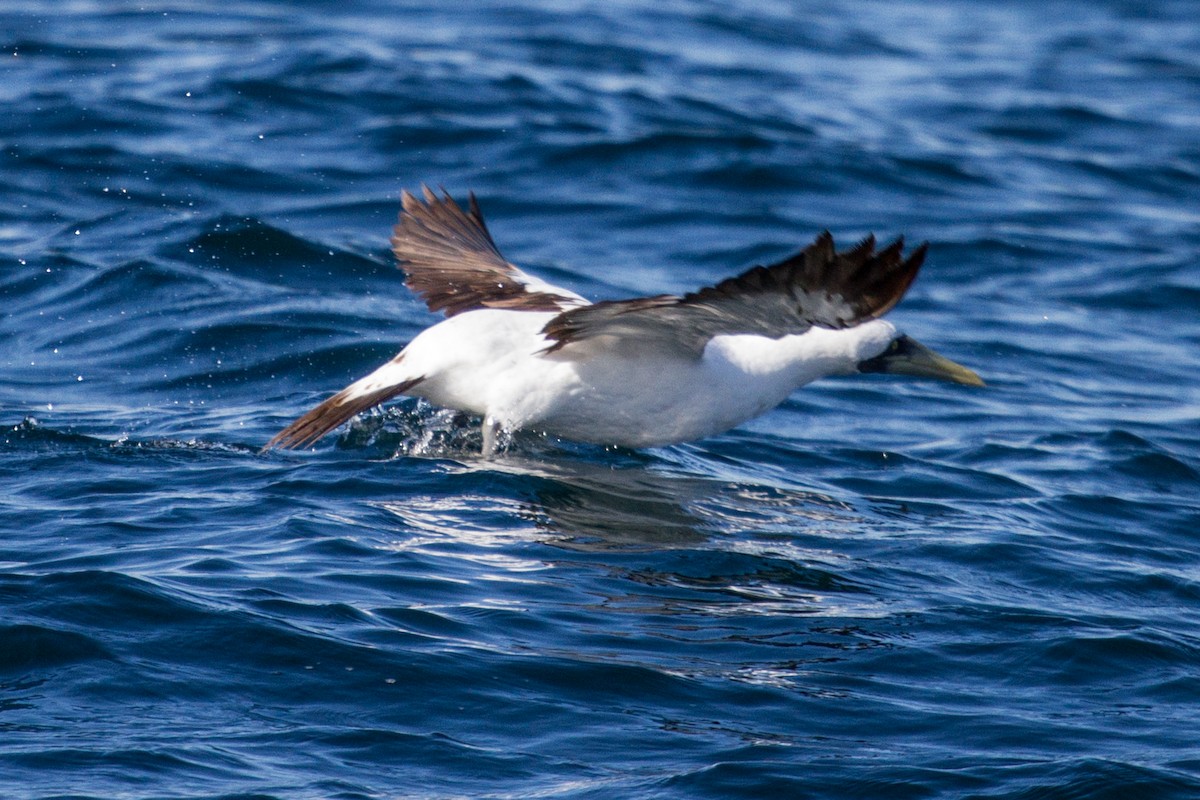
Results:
881 589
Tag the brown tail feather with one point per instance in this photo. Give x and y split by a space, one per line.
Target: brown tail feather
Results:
332 413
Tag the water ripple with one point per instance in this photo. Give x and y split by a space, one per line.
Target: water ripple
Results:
878 589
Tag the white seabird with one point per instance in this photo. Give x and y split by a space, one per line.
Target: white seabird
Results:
645 372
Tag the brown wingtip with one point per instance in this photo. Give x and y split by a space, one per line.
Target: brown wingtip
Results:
451 261
897 275
876 279
331 413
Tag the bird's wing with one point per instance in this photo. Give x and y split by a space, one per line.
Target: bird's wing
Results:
454 265
816 287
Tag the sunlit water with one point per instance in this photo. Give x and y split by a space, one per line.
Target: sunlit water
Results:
881 589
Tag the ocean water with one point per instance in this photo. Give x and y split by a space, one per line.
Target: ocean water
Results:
881 589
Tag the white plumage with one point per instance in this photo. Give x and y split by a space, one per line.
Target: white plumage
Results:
651 371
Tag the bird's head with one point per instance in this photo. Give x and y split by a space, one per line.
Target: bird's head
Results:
903 355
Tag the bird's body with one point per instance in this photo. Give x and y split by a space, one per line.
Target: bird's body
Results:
646 372
493 363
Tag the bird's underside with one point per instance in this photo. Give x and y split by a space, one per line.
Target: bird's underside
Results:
453 264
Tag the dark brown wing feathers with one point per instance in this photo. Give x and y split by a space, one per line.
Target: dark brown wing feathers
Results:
871 283
817 286
452 262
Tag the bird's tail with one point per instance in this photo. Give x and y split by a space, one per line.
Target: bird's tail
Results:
380 386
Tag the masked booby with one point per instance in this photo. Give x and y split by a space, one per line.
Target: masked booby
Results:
644 372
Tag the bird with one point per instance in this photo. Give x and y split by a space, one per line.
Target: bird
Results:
636 373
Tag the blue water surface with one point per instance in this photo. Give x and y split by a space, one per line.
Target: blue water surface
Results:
881 589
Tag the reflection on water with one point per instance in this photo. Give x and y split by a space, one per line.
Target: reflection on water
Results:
659 543
589 498
623 502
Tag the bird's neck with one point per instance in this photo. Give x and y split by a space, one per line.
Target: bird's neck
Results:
793 361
